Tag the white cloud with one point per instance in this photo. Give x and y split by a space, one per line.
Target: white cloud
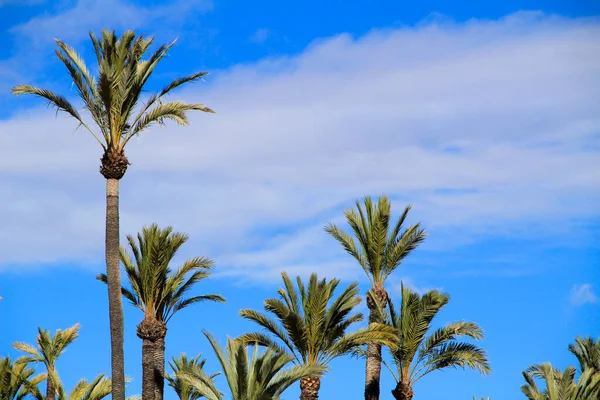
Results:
487 127
583 294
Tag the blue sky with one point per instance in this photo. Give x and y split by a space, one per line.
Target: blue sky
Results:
483 117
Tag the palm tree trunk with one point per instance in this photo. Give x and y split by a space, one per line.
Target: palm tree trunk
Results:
403 391
309 388
373 371
159 368
49 388
115 305
152 332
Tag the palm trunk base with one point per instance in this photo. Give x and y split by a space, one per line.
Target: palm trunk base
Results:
403 391
153 333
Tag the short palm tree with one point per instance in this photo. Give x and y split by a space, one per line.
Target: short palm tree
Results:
98 389
415 354
379 252
17 380
49 348
160 293
311 325
587 351
191 366
560 385
112 100
260 377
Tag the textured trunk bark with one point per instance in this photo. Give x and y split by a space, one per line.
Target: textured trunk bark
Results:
148 369
49 388
373 367
403 391
152 332
159 369
115 305
309 388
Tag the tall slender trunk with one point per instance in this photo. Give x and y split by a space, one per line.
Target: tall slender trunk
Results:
115 305
50 390
309 388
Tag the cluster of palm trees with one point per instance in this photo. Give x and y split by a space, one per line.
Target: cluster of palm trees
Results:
299 332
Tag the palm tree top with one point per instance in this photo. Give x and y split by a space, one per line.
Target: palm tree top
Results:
155 288
262 376
587 351
112 98
49 347
416 354
560 385
380 250
312 323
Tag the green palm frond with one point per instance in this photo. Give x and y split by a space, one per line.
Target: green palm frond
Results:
587 351
261 376
49 348
311 322
560 385
416 354
193 368
17 381
155 288
380 248
112 97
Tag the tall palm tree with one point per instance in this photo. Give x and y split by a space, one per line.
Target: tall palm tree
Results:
415 354
311 325
260 377
587 351
560 385
49 348
160 293
190 366
16 381
379 252
111 100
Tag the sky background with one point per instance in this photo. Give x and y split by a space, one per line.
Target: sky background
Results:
482 116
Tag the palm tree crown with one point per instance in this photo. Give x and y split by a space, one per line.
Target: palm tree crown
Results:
260 377
155 289
560 385
311 323
193 367
16 381
416 355
111 99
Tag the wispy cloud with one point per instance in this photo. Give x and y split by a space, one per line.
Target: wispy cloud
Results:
296 139
582 294
260 36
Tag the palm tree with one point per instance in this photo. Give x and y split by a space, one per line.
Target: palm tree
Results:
160 293
560 385
49 348
111 101
311 326
98 389
587 351
191 366
261 377
379 253
416 355
15 382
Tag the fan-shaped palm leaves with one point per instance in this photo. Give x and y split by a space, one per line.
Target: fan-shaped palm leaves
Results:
311 325
379 252
415 354
260 377
112 100
49 348
159 293
560 385
193 367
587 351
17 380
